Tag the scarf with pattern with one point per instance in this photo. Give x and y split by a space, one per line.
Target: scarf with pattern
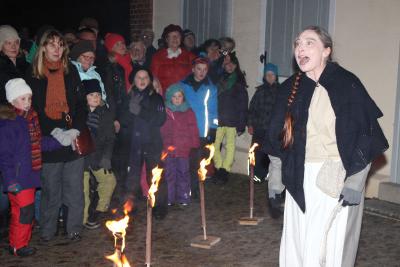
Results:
35 134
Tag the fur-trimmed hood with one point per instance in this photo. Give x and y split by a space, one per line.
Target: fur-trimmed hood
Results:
7 113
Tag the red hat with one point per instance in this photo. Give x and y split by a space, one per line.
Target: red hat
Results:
111 39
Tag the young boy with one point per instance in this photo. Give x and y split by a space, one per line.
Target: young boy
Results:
101 125
201 94
21 144
179 131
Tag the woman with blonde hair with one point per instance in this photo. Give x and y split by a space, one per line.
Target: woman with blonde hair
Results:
57 98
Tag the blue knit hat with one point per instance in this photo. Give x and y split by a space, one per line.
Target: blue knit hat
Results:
271 67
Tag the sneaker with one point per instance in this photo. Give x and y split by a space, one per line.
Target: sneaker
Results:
91 225
22 252
183 204
75 237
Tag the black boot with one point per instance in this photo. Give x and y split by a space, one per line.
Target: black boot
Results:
22 252
223 176
275 206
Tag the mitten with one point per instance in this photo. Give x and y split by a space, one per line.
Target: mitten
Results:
61 137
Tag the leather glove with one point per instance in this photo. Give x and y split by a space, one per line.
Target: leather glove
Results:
350 197
211 135
134 104
61 137
14 188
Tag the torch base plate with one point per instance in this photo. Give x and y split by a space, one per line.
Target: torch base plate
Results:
199 242
250 221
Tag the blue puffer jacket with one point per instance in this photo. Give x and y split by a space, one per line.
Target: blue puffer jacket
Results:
203 101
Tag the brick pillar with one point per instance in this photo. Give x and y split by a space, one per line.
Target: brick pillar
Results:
141 16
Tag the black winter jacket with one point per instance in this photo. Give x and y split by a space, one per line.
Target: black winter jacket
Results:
77 110
261 105
232 106
103 138
359 136
10 71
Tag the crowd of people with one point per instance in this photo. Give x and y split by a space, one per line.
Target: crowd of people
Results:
85 120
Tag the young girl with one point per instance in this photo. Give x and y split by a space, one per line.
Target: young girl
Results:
180 131
232 115
21 143
146 116
101 125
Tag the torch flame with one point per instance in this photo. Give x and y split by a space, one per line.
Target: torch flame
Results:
118 228
202 172
156 172
252 158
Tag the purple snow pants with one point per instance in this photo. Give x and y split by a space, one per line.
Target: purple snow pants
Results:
178 179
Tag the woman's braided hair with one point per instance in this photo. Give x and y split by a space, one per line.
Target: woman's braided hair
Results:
287 135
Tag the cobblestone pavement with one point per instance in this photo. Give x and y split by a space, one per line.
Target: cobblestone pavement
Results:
239 245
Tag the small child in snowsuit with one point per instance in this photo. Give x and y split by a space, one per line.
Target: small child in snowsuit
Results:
21 143
180 132
101 125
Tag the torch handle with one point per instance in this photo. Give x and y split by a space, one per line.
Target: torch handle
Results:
203 210
251 190
148 233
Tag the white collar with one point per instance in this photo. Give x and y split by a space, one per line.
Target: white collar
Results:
173 54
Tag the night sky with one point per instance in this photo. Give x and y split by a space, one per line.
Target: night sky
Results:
113 16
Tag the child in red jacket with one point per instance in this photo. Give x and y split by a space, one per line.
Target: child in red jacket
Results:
179 131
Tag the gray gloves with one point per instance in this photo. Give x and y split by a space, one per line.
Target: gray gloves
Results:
65 137
134 104
354 186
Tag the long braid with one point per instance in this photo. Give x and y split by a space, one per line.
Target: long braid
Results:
287 135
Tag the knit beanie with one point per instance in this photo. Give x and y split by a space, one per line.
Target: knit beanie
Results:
200 60
271 67
89 22
7 33
187 32
91 86
111 39
81 47
16 88
171 28
136 70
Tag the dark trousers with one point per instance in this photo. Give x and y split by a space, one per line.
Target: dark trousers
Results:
120 159
262 160
62 183
195 157
178 180
4 211
22 214
132 185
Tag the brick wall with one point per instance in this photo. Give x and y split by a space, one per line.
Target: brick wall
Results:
141 16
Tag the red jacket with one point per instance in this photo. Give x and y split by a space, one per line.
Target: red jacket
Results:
180 131
170 71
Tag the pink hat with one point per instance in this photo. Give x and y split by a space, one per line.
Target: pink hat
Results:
111 39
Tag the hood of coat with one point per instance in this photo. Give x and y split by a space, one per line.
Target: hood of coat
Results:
7 113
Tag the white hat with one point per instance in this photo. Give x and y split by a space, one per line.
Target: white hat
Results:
7 33
15 88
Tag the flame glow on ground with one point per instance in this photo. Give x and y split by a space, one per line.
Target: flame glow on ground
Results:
204 162
118 228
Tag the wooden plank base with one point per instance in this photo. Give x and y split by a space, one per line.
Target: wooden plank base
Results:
199 242
250 221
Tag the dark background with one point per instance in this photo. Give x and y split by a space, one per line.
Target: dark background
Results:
113 16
